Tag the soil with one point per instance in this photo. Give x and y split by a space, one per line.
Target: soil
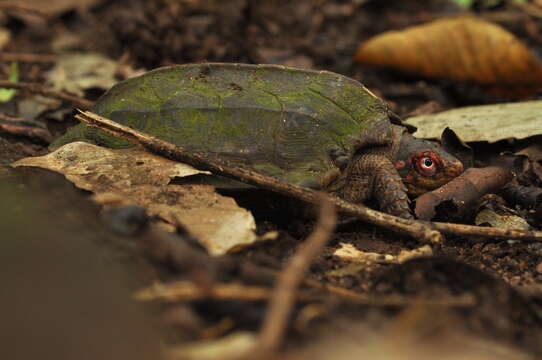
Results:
503 276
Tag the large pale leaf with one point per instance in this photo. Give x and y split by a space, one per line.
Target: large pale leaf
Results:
484 123
135 176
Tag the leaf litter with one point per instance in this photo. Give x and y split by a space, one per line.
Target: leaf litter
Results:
331 43
138 177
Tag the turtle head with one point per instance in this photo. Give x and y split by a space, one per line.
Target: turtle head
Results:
424 166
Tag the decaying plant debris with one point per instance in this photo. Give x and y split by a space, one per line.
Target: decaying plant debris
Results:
120 246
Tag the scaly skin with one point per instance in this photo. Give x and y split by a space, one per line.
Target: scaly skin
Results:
389 167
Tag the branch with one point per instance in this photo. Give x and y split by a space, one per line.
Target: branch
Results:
428 232
283 298
418 230
28 57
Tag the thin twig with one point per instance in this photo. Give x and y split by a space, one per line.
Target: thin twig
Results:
27 57
189 291
419 230
43 90
24 127
487 232
283 298
176 291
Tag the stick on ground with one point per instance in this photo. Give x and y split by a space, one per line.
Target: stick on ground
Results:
283 298
418 230
28 57
428 232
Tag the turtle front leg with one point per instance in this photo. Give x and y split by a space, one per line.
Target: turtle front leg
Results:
374 176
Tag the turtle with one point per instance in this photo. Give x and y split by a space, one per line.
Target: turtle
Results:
312 128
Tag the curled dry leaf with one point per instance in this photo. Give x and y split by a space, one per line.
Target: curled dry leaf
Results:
143 178
462 49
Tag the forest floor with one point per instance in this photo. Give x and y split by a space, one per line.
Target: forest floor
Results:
467 297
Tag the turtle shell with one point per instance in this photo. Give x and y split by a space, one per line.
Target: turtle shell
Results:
277 120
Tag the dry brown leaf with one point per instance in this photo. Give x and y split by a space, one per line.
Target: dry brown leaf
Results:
139 177
462 49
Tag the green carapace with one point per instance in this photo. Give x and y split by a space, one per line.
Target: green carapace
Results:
285 122
278 120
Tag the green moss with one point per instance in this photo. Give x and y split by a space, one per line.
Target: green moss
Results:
281 121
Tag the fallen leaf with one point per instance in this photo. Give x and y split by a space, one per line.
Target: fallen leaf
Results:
143 178
80 71
462 49
490 217
489 123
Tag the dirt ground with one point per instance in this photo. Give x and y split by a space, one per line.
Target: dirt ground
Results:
473 297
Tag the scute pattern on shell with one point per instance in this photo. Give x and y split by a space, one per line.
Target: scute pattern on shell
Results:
278 120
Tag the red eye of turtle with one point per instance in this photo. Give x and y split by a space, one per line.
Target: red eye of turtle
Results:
427 165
